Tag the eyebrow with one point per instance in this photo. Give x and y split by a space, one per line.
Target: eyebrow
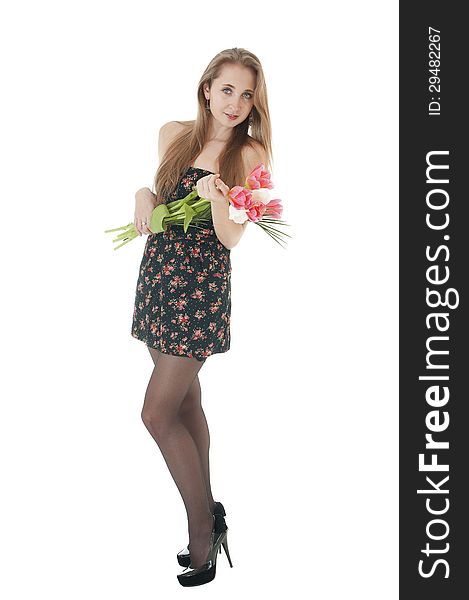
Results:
232 86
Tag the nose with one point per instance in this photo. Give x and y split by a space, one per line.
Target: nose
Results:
234 106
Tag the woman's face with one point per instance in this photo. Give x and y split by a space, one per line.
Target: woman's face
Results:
232 93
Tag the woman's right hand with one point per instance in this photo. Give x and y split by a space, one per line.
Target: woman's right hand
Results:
145 202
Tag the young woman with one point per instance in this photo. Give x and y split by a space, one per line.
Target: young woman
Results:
183 296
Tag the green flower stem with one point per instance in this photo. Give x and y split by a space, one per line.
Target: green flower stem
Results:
269 228
272 220
274 233
177 207
201 202
278 240
123 243
118 228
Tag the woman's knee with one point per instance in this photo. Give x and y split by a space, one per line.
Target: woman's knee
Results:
146 417
158 420
152 422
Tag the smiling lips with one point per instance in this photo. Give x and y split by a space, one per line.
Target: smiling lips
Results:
232 117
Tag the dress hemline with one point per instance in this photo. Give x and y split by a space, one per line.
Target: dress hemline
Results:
180 355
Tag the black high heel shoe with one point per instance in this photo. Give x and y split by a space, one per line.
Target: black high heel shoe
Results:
206 573
184 557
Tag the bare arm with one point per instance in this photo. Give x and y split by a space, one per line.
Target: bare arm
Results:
145 199
228 232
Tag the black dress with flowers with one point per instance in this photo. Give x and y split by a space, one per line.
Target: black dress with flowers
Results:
183 296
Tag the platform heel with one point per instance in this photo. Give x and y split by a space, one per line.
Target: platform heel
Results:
184 556
192 576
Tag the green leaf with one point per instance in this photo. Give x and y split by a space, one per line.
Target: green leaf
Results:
157 216
188 216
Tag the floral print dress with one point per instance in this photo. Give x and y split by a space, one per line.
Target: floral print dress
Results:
183 296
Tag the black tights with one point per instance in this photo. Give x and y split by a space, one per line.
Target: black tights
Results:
173 414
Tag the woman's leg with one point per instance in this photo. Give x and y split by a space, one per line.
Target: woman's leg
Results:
169 383
193 417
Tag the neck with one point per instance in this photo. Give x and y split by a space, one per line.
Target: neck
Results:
217 132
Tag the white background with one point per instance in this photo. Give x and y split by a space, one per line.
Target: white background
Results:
303 408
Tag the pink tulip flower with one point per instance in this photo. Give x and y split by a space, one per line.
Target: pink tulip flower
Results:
259 178
240 197
256 211
274 209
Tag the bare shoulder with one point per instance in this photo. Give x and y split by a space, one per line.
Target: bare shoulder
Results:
168 132
253 154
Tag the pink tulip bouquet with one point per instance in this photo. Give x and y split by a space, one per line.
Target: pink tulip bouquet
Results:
252 202
249 202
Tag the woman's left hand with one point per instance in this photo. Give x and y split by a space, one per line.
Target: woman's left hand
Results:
212 188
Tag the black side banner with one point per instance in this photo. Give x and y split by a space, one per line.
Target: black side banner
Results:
434 359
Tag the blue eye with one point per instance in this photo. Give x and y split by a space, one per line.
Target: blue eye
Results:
229 90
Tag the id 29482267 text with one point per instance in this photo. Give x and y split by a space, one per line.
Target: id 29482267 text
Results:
434 68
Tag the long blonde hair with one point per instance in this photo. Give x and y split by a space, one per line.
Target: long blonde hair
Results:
187 145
